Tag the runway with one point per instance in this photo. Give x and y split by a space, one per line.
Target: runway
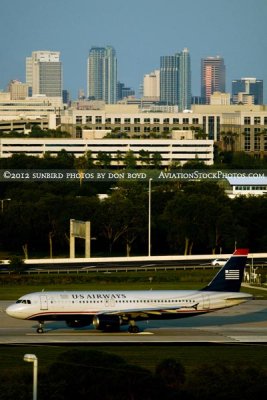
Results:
246 323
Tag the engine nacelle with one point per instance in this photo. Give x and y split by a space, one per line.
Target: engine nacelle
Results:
107 322
78 323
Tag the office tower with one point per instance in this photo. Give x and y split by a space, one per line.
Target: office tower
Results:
169 73
102 74
151 85
44 73
212 77
175 80
184 88
249 87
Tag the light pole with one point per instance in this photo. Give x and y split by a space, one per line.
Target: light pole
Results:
149 217
32 358
2 204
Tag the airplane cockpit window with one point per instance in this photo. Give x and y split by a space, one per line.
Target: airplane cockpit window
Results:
23 301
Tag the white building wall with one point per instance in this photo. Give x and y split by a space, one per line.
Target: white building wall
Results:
170 150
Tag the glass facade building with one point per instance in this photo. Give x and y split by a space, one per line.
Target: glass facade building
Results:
102 74
212 77
250 86
175 80
44 73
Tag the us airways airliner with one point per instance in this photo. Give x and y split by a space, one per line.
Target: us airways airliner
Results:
108 310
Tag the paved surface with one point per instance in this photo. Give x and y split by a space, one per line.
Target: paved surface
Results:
246 323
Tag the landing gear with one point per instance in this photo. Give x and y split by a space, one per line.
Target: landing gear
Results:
133 328
40 327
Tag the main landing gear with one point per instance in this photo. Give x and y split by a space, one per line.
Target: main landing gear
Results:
40 328
133 328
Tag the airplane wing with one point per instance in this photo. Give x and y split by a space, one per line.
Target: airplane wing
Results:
144 313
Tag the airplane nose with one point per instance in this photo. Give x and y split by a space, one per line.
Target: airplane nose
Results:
13 311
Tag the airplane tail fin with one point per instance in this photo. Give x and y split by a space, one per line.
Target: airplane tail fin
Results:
230 276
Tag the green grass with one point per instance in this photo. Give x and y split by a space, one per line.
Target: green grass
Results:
146 356
14 286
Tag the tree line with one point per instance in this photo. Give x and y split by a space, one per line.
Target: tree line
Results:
186 218
98 375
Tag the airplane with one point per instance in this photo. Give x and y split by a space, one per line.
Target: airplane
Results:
108 310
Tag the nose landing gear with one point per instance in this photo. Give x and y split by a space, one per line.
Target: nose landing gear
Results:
40 327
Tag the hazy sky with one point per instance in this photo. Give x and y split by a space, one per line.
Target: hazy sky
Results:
140 31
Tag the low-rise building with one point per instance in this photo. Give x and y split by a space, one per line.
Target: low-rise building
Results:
171 151
247 186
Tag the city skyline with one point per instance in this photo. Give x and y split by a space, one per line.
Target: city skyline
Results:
140 33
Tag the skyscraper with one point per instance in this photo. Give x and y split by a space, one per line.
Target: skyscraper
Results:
102 74
184 88
212 77
175 80
169 73
44 73
248 86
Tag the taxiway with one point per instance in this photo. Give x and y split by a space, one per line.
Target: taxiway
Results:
246 323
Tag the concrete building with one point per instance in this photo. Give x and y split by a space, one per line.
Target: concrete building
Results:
44 73
219 98
172 151
151 86
19 115
18 90
232 127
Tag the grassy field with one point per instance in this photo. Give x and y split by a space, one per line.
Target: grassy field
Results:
146 356
14 286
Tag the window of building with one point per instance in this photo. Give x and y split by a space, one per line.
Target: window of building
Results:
79 119
257 120
176 120
117 120
185 120
127 120
108 120
166 121
137 120
247 120
98 119
195 121
247 139
147 120
137 129
88 119
156 120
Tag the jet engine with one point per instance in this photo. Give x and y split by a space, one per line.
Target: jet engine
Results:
78 323
107 322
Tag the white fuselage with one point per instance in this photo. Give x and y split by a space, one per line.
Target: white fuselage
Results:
154 304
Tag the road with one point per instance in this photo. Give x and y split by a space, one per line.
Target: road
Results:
246 323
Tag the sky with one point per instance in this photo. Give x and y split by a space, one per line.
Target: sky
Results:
140 31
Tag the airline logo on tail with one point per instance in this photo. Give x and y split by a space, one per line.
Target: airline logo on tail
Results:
232 274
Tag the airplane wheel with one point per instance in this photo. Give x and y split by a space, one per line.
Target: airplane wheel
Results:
39 330
133 329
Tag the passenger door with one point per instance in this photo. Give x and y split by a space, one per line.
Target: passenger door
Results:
44 302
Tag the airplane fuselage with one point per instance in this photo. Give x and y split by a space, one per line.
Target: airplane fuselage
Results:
153 304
